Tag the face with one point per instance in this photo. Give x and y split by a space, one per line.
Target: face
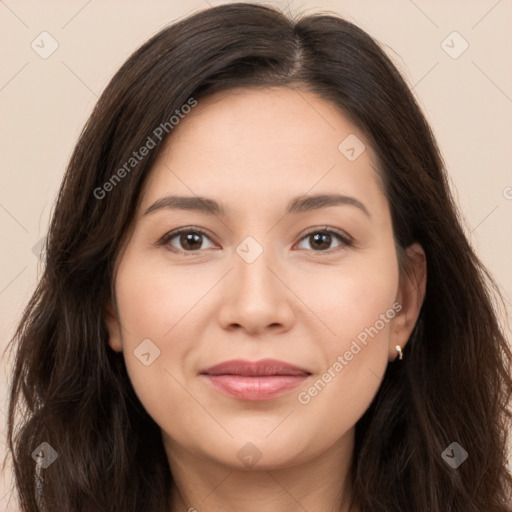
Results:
272 273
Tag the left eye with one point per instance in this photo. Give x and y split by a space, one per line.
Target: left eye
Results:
191 240
322 238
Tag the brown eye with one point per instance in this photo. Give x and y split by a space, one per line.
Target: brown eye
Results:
191 241
321 240
188 240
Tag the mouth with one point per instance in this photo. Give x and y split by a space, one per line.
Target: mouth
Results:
259 380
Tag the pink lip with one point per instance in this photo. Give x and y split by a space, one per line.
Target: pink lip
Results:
260 380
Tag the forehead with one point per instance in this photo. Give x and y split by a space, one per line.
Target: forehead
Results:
254 145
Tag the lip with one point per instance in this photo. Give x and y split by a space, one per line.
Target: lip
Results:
258 380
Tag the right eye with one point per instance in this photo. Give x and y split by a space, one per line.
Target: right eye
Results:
190 240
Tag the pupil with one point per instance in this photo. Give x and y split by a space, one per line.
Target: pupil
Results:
189 239
318 238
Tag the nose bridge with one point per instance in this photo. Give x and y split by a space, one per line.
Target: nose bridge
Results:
254 258
256 297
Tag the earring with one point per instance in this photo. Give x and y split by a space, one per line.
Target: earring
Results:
400 353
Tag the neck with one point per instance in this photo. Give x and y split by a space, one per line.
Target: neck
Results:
320 484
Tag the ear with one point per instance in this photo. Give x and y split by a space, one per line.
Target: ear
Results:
113 327
410 296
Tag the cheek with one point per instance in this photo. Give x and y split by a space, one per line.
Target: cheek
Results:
166 307
356 305
351 298
166 304
153 298
153 305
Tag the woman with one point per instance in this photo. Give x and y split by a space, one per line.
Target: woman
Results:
257 292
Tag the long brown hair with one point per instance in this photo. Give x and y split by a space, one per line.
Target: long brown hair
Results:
73 392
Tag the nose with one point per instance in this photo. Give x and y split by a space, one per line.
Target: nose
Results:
255 297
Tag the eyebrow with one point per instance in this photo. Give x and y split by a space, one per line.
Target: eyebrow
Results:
296 205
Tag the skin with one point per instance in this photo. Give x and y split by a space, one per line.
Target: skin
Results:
253 151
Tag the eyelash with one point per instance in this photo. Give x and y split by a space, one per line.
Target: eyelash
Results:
345 240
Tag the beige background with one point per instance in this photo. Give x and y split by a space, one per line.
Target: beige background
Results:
45 102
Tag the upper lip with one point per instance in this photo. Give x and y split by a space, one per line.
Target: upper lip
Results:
264 367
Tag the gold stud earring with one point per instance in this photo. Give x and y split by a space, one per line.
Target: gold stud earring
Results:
400 353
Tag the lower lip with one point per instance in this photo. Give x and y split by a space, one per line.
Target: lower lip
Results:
255 388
